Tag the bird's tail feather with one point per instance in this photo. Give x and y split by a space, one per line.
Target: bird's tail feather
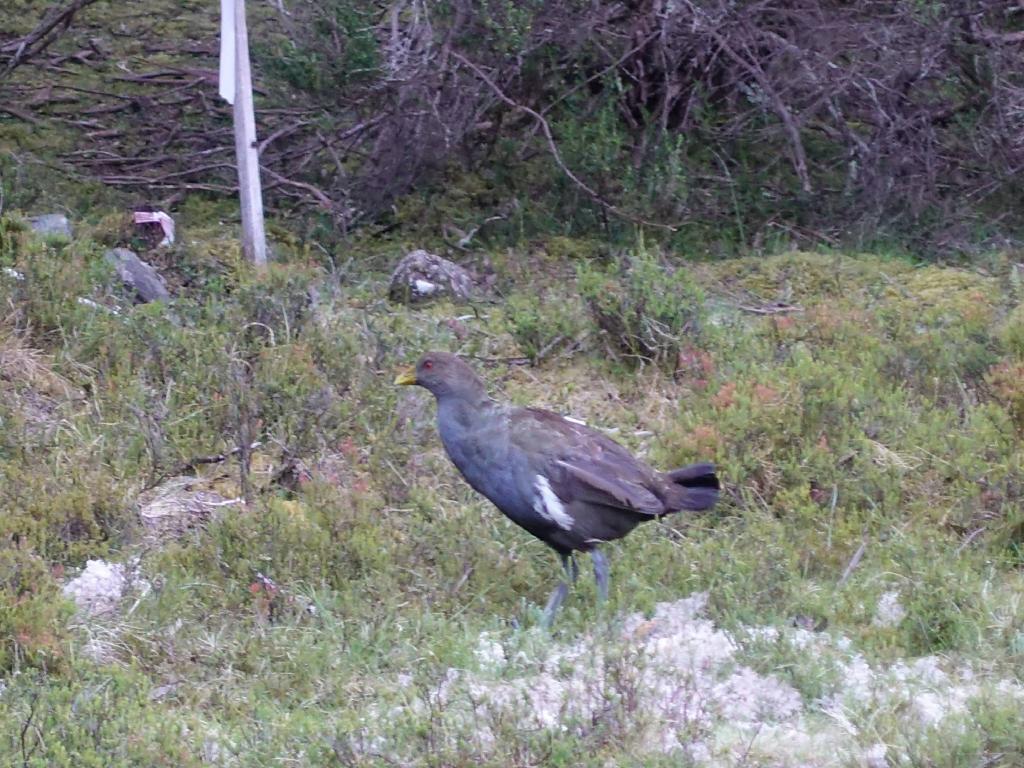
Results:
698 485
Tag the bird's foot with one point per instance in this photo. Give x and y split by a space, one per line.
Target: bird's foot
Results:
554 603
601 573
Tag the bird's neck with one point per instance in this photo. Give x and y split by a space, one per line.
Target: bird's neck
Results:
464 409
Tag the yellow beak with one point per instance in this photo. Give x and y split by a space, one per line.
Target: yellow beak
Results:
406 376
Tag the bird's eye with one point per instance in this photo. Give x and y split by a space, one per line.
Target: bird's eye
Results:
428 364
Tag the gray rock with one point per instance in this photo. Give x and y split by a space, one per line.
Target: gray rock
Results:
177 506
137 274
51 224
421 276
99 587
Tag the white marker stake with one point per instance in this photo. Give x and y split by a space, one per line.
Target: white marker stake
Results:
226 76
254 241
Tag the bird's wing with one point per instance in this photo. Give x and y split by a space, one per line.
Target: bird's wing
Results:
584 465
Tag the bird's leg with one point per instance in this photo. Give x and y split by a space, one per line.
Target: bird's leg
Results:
554 603
572 570
571 567
600 573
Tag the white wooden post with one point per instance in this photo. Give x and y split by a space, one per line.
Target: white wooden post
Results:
236 88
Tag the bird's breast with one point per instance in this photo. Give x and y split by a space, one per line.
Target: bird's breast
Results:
484 455
478 450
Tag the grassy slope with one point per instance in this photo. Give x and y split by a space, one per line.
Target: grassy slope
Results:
885 413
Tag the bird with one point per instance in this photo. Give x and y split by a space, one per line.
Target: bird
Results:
569 485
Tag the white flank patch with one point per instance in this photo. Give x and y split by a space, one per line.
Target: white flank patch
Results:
574 420
549 506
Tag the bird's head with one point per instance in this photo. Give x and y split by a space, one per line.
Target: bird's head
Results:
445 375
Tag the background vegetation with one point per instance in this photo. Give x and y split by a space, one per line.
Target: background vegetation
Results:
732 125
865 405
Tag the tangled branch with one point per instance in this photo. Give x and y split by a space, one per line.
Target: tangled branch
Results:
55 22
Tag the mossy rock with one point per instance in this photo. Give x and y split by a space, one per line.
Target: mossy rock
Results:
945 296
800 276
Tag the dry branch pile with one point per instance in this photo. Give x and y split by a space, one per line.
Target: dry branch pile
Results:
809 115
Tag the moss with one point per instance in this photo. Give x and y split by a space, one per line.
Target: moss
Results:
1007 382
561 250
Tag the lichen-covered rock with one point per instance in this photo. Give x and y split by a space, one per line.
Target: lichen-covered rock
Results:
178 505
51 225
890 611
137 275
421 276
98 588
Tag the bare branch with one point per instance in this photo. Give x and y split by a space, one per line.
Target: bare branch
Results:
54 24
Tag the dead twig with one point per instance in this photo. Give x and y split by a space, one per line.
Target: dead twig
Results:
770 309
319 194
969 538
199 461
18 113
854 562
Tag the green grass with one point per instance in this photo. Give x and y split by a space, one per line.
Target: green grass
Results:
875 416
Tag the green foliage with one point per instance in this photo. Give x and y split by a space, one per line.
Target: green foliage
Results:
1012 332
562 250
655 182
645 307
31 612
987 732
65 516
12 230
1007 382
540 324
98 718
868 436
815 676
333 46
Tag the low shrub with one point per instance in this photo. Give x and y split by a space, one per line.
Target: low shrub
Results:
645 308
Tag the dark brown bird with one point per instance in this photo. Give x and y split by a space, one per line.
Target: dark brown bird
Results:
570 486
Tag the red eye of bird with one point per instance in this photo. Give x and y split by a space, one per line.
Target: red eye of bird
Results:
428 364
